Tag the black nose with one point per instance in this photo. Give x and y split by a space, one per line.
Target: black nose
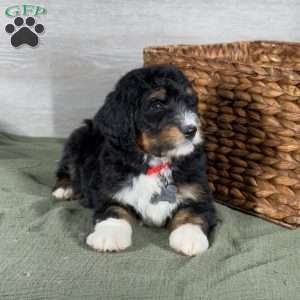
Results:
189 131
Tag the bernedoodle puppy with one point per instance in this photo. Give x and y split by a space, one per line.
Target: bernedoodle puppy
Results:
141 158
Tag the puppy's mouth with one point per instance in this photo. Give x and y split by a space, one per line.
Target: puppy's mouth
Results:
182 149
171 141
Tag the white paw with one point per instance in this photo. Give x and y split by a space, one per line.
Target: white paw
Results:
188 239
63 193
110 235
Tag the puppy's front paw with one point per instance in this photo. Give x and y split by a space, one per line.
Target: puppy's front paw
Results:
188 239
63 193
110 235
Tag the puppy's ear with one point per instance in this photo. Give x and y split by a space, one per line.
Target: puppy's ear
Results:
116 118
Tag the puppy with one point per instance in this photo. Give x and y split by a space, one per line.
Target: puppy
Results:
141 158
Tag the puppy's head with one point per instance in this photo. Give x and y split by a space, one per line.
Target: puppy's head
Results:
155 109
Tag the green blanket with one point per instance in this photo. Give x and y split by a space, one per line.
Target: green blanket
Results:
43 254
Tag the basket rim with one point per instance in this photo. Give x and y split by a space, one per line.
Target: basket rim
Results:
224 44
226 60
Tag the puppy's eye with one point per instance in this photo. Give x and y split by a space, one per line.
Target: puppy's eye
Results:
157 105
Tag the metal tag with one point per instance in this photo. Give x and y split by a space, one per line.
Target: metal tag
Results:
168 191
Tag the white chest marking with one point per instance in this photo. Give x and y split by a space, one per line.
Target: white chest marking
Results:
139 195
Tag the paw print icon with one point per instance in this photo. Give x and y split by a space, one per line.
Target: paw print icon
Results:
24 33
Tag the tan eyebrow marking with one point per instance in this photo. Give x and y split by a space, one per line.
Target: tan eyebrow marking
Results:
189 91
160 93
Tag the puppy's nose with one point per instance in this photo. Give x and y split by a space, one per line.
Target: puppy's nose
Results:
189 131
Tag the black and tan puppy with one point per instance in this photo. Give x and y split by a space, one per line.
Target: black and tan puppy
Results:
141 157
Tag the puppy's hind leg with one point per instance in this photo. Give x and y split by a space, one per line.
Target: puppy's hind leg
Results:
69 173
62 189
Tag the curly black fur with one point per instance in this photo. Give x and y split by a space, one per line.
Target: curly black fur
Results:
101 157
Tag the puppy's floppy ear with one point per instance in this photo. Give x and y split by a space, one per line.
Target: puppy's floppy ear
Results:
116 118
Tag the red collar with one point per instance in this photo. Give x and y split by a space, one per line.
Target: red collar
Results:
156 169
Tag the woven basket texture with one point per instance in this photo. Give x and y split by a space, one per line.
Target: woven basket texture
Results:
249 102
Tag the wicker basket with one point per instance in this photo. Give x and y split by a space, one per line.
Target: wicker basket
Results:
249 97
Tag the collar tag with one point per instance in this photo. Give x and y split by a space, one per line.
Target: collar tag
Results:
156 169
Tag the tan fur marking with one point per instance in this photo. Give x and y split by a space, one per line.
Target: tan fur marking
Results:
184 216
171 135
190 191
146 141
122 213
158 93
168 135
189 91
62 182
